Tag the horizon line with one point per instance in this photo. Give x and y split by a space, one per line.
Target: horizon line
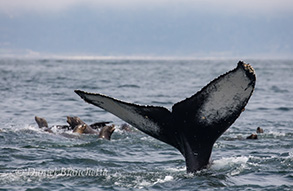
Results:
140 57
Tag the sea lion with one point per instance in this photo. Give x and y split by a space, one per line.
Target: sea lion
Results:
194 124
106 132
259 130
252 136
74 121
42 123
79 128
125 127
84 129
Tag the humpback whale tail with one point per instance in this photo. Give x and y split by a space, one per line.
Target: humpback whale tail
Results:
195 123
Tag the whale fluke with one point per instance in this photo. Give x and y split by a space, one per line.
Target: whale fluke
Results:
195 123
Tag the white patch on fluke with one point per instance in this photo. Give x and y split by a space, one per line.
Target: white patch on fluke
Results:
124 111
225 96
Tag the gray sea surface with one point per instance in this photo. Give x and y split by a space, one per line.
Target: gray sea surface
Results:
32 159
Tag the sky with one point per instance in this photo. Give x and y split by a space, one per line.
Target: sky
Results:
149 28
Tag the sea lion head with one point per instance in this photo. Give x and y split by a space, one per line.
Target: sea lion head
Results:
106 132
125 127
74 121
41 122
259 130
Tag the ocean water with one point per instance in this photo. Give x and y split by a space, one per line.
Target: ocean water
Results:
32 159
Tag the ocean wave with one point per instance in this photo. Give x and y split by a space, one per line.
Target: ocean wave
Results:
129 86
234 164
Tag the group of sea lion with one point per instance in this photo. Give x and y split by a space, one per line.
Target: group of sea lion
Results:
101 129
76 125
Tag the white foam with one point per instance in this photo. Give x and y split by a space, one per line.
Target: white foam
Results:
166 179
276 134
225 163
182 169
30 128
144 184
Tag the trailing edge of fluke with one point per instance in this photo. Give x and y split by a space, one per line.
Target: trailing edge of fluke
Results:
194 124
